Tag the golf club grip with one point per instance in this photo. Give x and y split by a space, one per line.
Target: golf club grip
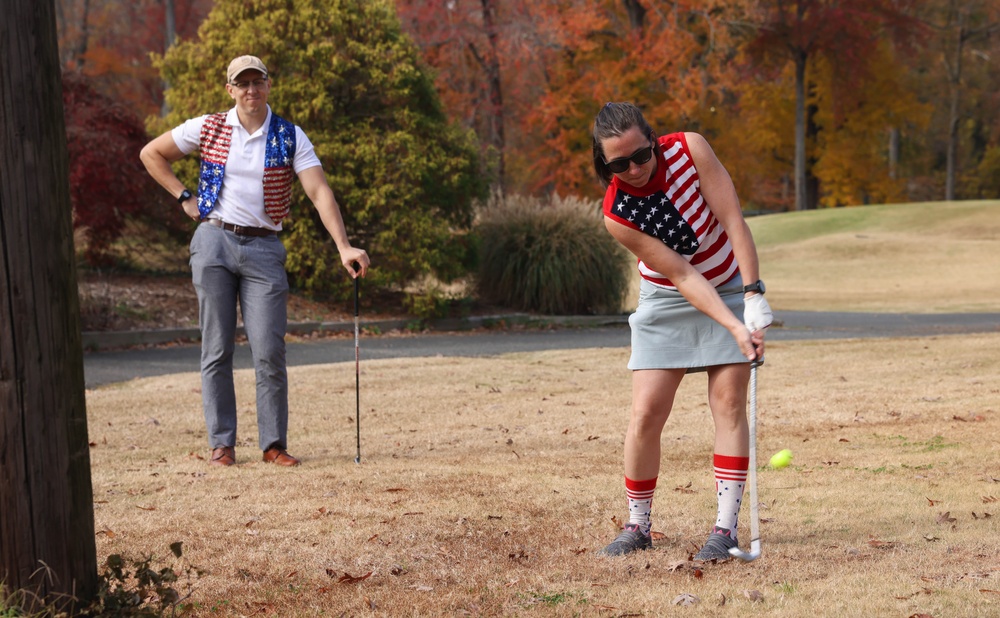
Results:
357 284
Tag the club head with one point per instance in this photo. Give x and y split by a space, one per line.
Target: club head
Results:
357 459
749 556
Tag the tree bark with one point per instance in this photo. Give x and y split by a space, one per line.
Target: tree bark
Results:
636 13
801 199
47 547
170 34
491 64
954 110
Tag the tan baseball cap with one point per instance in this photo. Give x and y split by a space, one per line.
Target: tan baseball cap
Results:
244 63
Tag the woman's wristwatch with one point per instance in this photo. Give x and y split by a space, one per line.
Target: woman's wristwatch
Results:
757 286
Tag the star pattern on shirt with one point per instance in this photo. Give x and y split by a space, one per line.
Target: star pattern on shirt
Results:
657 216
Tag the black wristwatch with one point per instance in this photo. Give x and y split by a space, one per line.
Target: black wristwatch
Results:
184 196
757 286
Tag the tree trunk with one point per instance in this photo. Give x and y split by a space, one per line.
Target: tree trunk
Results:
801 201
893 153
954 112
636 13
492 67
47 547
170 34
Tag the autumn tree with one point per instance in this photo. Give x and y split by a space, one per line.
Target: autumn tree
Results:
486 68
109 42
966 32
344 71
844 33
108 185
665 57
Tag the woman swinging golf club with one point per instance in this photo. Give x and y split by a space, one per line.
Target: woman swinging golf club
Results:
701 305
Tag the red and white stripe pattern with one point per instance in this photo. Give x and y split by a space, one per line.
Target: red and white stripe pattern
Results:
640 502
278 191
730 479
676 190
216 136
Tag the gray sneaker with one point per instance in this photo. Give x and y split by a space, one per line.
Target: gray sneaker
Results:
630 540
717 546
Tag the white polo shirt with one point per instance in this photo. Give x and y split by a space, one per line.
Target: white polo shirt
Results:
241 199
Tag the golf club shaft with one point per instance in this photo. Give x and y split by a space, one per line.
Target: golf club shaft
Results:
357 369
754 552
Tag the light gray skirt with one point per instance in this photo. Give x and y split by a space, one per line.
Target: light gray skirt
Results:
670 333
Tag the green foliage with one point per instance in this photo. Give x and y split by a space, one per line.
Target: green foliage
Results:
125 588
344 72
134 588
554 258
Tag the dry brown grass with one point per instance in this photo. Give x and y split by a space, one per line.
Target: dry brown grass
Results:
919 258
487 484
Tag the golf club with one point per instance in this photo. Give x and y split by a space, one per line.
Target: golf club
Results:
754 552
357 365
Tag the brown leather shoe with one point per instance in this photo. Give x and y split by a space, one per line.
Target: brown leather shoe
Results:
223 456
279 456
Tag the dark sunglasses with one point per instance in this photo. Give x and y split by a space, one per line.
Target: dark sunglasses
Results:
639 157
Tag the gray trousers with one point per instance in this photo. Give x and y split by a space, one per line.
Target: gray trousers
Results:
226 267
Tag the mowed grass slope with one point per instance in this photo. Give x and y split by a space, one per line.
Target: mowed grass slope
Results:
916 258
486 485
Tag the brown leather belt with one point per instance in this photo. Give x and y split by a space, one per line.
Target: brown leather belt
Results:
242 230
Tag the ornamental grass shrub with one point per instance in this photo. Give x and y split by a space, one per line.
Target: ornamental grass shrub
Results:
551 256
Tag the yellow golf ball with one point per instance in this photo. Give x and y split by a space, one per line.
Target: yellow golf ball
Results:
781 459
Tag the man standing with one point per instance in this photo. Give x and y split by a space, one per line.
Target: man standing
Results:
248 159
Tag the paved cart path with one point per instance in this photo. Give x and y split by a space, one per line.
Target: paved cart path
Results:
119 366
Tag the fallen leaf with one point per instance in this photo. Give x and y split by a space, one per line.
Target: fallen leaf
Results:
331 573
656 536
931 502
990 499
395 489
945 518
985 590
106 533
681 564
605 608
985 515
369 603
685 599
843 440
882 544
347 578
421 588
753 595
931 537
722 600
685 489
145 508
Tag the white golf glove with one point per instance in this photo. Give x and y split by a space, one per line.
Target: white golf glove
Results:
757 313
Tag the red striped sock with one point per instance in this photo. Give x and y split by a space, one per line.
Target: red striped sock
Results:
730 479
640 502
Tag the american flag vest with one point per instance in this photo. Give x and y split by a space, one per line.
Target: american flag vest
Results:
215 139
671 208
